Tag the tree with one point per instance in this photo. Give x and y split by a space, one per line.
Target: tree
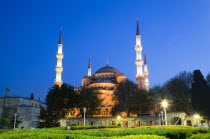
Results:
159 93
143 102
200 94
3 123
128 98
124 97
11 120
208 79
179 92
32 96
88 97
9 115
59 101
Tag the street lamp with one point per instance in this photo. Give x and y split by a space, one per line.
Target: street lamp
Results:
84 110
67 116
118 118
15 120
165 104
196 116
161 117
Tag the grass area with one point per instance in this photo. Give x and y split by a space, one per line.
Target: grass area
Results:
99 132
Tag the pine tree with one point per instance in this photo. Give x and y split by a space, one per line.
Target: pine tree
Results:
200 94
59 101
32 96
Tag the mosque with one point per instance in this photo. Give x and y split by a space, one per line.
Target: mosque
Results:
105 79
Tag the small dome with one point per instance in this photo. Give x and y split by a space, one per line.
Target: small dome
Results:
107 69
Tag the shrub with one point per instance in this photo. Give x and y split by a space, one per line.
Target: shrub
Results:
5 130
201 136
93 127
103 133
169 133
139 137
3 122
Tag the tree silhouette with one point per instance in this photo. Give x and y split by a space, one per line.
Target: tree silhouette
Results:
200 94
32 96
88 97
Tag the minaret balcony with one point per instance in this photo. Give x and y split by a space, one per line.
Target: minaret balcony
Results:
138 48
59 83
59 56
140 77
139 62
146 73
59 69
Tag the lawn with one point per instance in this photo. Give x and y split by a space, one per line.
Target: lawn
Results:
112 132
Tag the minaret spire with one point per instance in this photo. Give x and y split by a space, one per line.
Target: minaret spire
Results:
89 68
137 27
60 41
146 73
59 56
139 61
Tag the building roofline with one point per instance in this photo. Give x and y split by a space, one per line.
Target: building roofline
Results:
19 97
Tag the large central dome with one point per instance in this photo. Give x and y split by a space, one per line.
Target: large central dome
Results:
107 69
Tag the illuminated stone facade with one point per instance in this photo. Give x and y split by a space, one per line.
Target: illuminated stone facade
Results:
104 81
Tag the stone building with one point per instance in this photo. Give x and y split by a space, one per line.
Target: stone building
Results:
173 118
26 108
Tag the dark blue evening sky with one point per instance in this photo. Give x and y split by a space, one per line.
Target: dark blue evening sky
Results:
175 37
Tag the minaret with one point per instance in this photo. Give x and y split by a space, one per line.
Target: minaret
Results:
59 56
139 61
146 73
89 68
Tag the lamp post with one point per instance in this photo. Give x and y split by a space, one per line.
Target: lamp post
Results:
196 116
165 104
161 117
15 120
84 110
67 116
118 118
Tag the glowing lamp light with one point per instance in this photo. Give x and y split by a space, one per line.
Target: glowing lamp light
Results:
118 117
196 116
164 103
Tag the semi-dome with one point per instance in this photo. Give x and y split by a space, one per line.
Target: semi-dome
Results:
107 69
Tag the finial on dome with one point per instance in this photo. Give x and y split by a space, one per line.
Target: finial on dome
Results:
60 38
107 63
137 27
89 68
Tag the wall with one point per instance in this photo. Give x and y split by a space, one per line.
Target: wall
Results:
27 109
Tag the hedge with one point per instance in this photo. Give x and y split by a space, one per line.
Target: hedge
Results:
93 127
120 133
169 133
5 130
201 136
